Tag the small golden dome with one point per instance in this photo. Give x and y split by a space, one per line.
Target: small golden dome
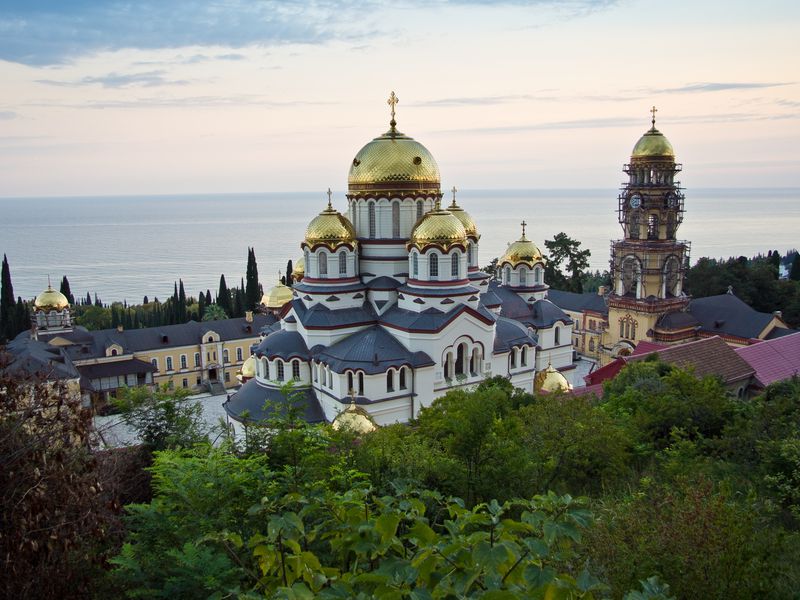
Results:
466 220
653 144
299 270
551 380
355 419
248 370
439 227
523 251
278 296
50 299
330 228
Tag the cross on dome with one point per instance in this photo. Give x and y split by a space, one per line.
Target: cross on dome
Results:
392 102
524 225
330 193
454 190
653 112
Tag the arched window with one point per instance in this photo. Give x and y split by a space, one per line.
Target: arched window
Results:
460 352
196 359
475 361
420 209
114 353
633 225
169 363
330 377
225 358
350 381
238 355
279 364
390 381
306 263
448 358
524 357
652 227
154 362
557 336
395 219
342 262
361 384
415 264
523 276
323 264
507 272
295 369
402 378
371 217
265 367
537 275
469 253
433 266
315 372
454 265
513 358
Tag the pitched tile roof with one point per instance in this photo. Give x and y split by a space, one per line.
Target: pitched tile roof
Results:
578 302
727 314
773 360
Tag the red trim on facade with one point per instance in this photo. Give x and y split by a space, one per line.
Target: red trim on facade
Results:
334 281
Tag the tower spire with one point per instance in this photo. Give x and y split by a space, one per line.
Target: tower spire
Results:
392 102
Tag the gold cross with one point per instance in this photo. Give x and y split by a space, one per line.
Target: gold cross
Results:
454 190
330 193
392 101
653 112
524 224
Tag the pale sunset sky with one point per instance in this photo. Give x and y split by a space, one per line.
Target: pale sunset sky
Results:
161 97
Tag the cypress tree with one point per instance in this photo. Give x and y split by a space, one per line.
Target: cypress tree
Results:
251 289
209 301
794 272
88 301
7 306
224 296
201 305
97 301
65 290
289 269
145 300
181 303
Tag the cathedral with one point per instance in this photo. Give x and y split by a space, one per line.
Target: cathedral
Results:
392 310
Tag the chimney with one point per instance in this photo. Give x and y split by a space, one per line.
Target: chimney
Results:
778 313
248 316
119 328
601 291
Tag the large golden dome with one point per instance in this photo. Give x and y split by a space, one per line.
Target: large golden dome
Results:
355 419
551 380
523 251
278 296
330 228
50 299
466 220
439 227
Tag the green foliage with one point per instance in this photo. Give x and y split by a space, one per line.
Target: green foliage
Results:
564 251
94 318
162 418
214 312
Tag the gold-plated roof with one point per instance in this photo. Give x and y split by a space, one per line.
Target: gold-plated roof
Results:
299 270
356 419
653 144
523 251
51 299
248 369
330 228
439 227
466 220
277 296
551 380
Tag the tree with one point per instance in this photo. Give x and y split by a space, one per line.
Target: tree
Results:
565 251
201 306
214 312
95 318
66 291
794 272
252 297
289 270
182 316
224 296
10 324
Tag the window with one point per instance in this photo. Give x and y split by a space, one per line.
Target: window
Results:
469 253
415 264
295 369
169 363
198 380
447 360
460 352
395 219
433 266
210 339
591 344
361 384
537 275
154 362
523 276
524 357
323 264
315 372
454 265
507 272
279 364
402 378
390 381
185 382
513 358
265 365
371 217
225 356
652 227
350 382
113 352
330 377
557 336
183 361
239 355
420 209
621 329
227 376
196 359
342 263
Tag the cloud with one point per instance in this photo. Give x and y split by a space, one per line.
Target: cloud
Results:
540 97
184 102
51 32
693 88
119 80
7 115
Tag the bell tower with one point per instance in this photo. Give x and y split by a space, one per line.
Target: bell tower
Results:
648 264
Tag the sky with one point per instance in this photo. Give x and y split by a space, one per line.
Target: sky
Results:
104 97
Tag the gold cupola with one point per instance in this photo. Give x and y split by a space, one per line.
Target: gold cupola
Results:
653 144
438 227
466 220
523 251
248 370
50 299
277 297
393 162
299 270
551 380
330 228
355 419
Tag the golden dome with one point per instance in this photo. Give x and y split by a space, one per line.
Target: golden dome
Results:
551 380
248 369
439 227
50 299
522 251
355 419
653 144
278 296
330 228
466 220
299 270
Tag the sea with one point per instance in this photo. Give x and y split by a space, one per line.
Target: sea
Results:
126 247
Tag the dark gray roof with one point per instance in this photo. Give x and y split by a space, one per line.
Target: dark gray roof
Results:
372 350
578 302
384 283
727 314
308 288
132 366
477 275
255 402
780 332
283 344
490 299
538 314
320 316
510 333
431 319
35 358
676 320
436 291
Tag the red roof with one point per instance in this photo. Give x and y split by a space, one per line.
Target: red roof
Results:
645 347
596 389
773 360
604 373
